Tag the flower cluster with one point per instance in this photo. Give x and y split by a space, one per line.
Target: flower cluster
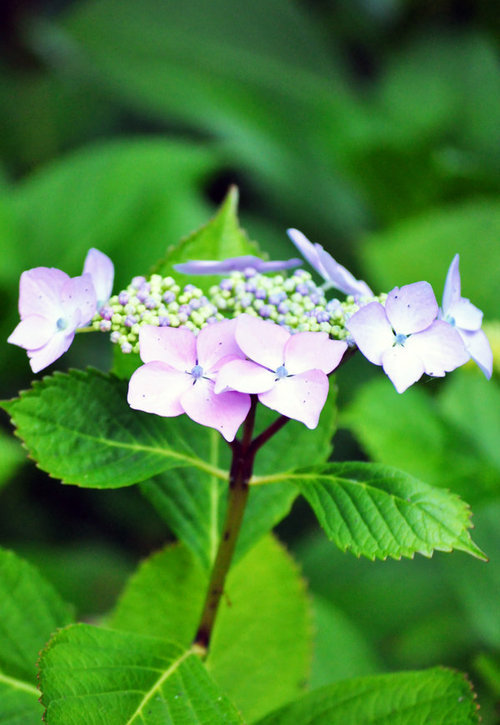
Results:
155 301
210 376
52 306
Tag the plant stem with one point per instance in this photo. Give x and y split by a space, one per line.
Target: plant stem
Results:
239 475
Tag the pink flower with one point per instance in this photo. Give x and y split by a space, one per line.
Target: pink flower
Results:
179 373
288 372
52 306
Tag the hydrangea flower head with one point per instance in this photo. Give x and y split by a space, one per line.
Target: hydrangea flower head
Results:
288 372
467 320
101 269
234 264
331 271
405 337
179 373
52 306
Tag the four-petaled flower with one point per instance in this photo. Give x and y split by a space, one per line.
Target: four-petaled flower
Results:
459 312
332 272
52 306
234 264
288 372
405 337
179 373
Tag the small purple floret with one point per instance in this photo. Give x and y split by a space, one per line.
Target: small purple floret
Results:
123 298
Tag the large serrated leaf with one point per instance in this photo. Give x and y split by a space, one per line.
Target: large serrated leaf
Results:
378 512
263 625
438 696
30 612
79 427
118 678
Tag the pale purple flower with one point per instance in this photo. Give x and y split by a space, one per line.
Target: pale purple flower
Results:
288 372
179 373
52 306
234 264
405 337
467 319
331 271
101 269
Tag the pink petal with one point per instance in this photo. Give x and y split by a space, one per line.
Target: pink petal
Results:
465 315
451 293
371 331
402 367
175 346
78 301
39 292
440 348
478 347
262 341
300 397
32 332
46 355
216 342
412 308
225 412
340 277
308 250
157 388
244 376
312 350
101 269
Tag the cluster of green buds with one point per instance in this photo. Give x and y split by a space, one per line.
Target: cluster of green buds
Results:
294 302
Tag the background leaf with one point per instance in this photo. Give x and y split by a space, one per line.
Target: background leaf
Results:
405 698
262 628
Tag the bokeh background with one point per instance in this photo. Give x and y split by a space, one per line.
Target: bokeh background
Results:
371 125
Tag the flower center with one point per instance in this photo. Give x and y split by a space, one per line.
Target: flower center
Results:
281 372
450 320
196 372
400 339
61 323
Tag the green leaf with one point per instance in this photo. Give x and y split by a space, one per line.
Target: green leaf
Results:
145 194
262 628
406 698
378 512
31 612
11 456
80 428
118 678
221 238
423 247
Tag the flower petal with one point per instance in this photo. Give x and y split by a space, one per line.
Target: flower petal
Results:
224 411
300 397
234 264
411 308
440 348
402 367
101 269
465 315
312 350
340 277
308 250
216 342
451 293
175 346
32 332
78 301
40 292
478 347
244 376
46 355
157 388
371 331
261 340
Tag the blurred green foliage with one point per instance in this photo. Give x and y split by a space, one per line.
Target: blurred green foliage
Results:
372 126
